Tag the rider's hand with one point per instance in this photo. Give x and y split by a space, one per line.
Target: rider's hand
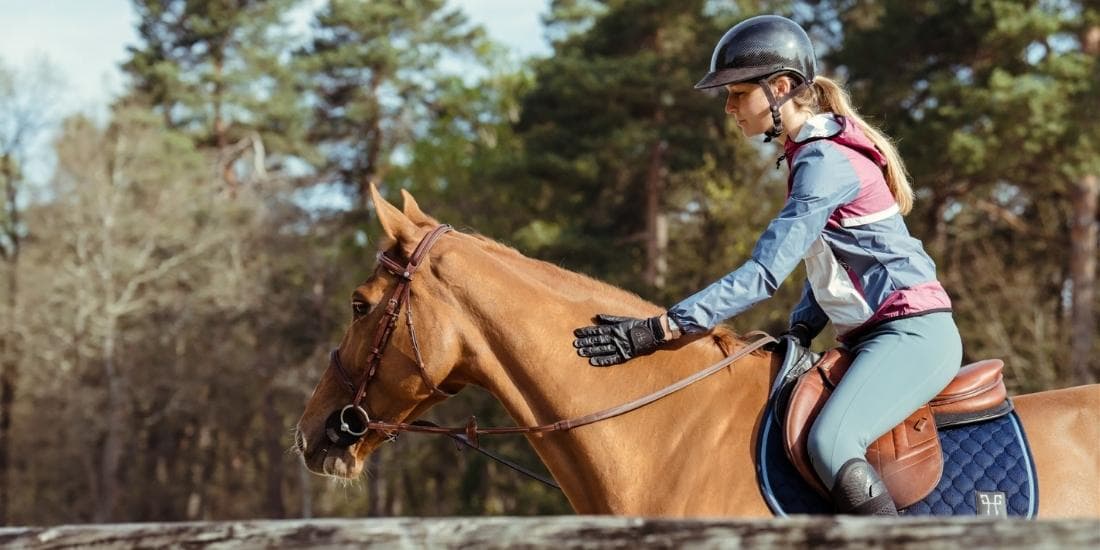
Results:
800 332
614 340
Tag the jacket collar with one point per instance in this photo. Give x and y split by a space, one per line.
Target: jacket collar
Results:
836 128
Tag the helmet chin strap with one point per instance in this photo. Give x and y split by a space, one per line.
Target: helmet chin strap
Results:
777 127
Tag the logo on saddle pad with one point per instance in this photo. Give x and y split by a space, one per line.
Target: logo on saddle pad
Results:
990 503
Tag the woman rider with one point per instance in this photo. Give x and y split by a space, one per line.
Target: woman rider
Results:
847 190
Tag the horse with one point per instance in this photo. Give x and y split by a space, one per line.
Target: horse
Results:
490 316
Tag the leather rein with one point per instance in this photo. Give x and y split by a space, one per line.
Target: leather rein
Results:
353 422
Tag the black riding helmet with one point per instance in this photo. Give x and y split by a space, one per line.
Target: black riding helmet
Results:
758 48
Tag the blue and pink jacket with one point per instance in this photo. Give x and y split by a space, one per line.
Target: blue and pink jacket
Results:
862 266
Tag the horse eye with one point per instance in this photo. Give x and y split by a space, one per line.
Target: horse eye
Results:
359 309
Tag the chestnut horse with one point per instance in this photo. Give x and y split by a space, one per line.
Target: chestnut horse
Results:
487 315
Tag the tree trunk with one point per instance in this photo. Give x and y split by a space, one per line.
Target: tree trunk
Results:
1083 251
306 488
202 471
221 137
375 486
112 445
656 221
273 501
7 398
9 352
373 158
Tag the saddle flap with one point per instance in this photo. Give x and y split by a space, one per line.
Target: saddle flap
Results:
806 399
908 457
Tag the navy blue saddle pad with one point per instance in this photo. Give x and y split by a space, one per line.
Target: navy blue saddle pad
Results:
987 471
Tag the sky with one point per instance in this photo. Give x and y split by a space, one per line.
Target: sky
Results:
85 40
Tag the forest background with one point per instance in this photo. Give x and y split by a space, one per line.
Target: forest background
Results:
170 289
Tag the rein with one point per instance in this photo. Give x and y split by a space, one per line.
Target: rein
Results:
471 430
347 426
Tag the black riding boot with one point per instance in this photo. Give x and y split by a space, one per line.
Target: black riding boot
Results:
858 490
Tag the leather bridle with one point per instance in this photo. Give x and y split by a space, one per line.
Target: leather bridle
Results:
354 427
347 426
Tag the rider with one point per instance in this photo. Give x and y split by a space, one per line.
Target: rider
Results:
847 190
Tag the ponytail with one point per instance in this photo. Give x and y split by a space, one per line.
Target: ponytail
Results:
827 96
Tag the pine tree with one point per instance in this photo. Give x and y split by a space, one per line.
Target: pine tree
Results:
218 70
377 71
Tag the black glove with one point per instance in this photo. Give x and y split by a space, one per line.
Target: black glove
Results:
800 332
614 340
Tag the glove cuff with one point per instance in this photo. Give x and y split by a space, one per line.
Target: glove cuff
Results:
801 332
655 325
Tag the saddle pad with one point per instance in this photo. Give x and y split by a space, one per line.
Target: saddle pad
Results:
987 471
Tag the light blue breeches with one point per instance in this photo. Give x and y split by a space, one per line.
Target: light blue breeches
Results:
898 366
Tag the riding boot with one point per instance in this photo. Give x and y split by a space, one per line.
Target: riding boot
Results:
858 490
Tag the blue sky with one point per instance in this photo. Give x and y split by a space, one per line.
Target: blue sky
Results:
86 39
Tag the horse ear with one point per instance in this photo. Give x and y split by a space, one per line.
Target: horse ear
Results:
395 224
414 213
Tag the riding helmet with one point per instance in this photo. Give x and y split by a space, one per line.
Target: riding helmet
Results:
759 47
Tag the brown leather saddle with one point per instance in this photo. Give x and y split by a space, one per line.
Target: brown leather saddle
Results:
908 457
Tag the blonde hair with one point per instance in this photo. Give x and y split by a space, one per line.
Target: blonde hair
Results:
827 96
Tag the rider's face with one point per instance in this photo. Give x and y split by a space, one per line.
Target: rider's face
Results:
747 103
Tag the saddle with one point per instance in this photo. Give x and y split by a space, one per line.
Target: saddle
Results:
908 458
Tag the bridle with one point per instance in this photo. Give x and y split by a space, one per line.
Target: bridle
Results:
353 420
348 425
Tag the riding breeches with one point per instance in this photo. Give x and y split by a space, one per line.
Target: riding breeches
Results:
897 367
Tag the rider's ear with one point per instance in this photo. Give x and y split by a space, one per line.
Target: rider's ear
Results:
395 224
414 213
782 86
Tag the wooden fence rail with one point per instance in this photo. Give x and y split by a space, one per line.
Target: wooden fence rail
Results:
569 532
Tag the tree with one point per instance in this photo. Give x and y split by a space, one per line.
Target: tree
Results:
991 117
132 215
217 71
377 71
25 112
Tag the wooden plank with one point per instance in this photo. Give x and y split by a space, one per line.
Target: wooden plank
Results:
570 532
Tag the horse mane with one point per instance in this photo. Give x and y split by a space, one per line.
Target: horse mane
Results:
725 338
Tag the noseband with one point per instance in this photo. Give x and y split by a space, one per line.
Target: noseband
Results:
353 422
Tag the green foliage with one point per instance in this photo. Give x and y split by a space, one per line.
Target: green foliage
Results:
376 74
219 71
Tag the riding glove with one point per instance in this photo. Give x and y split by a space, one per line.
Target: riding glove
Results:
614 340
800 332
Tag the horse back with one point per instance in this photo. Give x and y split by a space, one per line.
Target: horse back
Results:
1063 427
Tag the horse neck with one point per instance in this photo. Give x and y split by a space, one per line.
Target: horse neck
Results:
526 312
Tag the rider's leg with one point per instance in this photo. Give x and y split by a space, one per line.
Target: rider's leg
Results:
897 367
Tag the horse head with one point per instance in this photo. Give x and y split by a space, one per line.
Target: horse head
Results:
388 377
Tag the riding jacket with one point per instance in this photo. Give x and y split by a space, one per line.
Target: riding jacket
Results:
862 266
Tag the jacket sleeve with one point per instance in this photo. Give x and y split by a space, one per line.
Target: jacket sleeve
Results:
822 180
809 313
